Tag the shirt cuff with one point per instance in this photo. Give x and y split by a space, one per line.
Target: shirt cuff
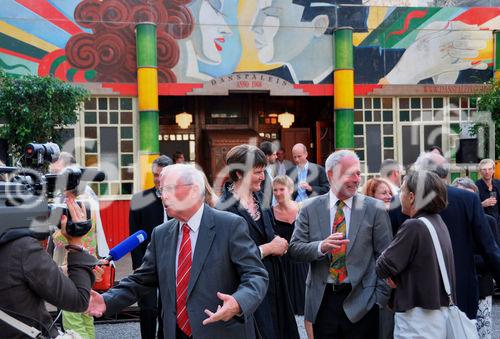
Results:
319 249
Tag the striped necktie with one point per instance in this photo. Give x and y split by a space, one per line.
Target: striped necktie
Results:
338 269
183 273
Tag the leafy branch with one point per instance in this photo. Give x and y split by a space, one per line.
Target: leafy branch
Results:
31 108
489 102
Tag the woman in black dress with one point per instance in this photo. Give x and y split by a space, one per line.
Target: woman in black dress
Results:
274 316
285 214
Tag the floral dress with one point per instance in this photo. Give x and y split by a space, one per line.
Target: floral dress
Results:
81 323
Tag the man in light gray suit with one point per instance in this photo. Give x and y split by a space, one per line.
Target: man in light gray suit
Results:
342 233
203 261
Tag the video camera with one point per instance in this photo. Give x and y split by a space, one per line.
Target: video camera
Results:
26 195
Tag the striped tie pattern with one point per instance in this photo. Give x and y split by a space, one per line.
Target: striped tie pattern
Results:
183 272
338 269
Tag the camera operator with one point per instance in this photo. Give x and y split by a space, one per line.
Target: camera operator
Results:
30 277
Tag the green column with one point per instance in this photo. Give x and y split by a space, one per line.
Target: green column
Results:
147 90
343 85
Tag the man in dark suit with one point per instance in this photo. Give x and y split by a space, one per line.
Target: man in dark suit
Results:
467 226
200 259
309 179
147 212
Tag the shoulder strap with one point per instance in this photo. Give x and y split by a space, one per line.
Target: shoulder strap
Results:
440 258
18 325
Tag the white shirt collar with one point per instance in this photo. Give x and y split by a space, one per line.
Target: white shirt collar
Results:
195 221
334 199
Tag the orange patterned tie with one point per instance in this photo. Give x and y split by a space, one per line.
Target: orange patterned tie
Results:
338 269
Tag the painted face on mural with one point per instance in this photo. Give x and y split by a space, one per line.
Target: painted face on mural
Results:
213 30
276 36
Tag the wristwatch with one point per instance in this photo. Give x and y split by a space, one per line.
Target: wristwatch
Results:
261 253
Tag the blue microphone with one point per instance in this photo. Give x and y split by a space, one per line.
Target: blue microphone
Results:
126 246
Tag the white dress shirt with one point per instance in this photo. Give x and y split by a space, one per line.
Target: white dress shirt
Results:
194 226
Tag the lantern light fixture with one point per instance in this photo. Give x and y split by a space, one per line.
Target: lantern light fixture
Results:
184 119
286 119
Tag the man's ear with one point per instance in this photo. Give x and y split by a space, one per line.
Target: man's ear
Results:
320 25
411 196
329 175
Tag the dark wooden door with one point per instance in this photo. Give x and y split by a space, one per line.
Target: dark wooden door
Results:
324 141
292 136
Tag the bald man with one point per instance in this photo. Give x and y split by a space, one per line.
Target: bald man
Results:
309 178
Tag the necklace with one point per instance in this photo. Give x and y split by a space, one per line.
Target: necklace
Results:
253 210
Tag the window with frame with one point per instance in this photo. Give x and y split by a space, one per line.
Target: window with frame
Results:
108 133
373 133
422 122
462 113
183 142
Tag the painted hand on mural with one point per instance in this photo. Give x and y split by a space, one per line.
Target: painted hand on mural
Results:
440 51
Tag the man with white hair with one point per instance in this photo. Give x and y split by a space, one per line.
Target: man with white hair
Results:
204 263
341 233
468 227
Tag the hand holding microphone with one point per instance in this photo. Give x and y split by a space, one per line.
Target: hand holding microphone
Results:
106 271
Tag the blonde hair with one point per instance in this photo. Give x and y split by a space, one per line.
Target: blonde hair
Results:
211 197
486 162
284 180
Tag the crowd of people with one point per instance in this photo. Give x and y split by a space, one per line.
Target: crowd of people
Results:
286 238
353 264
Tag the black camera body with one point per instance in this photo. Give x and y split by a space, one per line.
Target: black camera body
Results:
25 196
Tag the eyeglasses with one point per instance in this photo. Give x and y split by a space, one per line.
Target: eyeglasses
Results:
171 188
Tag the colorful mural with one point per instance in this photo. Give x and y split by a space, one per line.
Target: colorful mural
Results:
198 40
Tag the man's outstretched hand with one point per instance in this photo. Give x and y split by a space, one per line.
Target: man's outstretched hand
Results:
229 309
97 306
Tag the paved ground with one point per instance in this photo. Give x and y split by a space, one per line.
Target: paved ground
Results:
130 330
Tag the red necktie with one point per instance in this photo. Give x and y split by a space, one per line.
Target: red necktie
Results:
183 273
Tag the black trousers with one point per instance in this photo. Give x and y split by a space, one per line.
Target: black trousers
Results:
150 315
332 322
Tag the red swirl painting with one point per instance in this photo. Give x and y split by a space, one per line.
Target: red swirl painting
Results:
110 48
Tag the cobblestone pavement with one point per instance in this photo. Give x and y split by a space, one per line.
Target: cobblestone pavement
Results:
131 330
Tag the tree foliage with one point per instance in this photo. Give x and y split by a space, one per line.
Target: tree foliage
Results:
31 108
490 102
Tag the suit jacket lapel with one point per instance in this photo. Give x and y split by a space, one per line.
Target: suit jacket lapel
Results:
357 214
323 210
203 243
170 245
